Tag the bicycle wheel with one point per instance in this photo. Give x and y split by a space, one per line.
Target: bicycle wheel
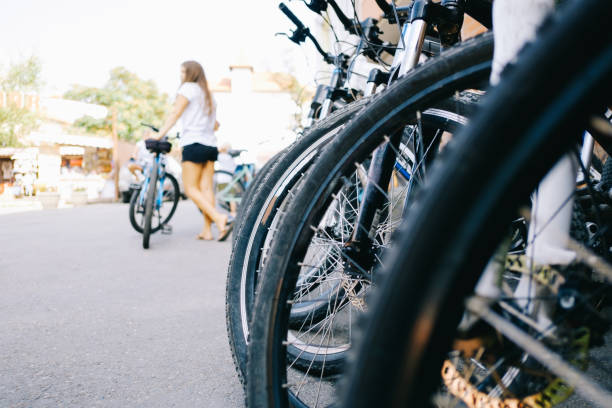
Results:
333 183
170 200
413 348
251 243
148 206
136 211
227 190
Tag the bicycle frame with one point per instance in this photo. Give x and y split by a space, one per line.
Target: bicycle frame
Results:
244 173
161 177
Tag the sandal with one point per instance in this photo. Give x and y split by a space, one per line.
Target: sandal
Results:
224 233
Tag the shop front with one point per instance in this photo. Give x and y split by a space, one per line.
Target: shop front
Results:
71 163
7 166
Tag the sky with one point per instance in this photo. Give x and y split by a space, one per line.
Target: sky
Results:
79 41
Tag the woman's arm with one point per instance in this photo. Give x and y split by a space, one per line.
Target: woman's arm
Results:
179 107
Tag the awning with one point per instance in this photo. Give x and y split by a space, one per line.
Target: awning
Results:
70 139
67 111
72 151
7 151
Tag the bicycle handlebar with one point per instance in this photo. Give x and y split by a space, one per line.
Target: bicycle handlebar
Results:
318 6
346 22
150 126
301 32
291 16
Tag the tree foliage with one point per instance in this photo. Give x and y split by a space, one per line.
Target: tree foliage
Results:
135 100
23 76
15 121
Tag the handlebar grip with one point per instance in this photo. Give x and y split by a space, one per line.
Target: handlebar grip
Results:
346 22
150 126
291 16
384 6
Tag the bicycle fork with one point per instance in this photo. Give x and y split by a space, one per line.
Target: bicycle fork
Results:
448 15
358 252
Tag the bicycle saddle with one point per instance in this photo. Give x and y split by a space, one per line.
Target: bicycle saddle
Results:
158 146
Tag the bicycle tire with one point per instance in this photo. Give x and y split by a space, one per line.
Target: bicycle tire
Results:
313 311
466 65
149 203
175 201
134 203
133 210
258 215
459 221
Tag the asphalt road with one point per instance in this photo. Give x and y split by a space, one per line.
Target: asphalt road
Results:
90 319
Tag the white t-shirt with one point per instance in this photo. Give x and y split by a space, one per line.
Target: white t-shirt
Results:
197 125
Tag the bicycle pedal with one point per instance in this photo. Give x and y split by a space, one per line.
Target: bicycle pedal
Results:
166 229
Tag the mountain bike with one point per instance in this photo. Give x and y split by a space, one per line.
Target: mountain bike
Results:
329 111
230 187
460 320
154 202
352 194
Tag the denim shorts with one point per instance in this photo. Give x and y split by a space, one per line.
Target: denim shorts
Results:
199 153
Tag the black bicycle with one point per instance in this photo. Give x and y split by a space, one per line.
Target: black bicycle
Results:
333 105
460 319
329 237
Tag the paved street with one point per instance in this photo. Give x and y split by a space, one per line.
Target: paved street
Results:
91 319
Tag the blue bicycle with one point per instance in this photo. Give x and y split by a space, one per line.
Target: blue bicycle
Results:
154 202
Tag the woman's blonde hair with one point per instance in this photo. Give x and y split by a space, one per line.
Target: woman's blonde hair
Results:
195 73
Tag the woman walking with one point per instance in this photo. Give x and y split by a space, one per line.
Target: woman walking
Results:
196 109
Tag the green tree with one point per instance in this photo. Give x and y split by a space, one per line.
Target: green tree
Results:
136 101
23 76
15 121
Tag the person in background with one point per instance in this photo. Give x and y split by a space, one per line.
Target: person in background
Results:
28 183
141 156
196 109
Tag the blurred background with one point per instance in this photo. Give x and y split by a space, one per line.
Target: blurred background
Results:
78 78
74 74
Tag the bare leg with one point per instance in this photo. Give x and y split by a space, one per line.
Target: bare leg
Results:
207 189
192 174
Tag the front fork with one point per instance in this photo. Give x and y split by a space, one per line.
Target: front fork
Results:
448 16
335 83
358 252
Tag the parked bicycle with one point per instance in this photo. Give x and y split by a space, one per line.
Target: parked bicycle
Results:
311 335
230 186
154 202
463 320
